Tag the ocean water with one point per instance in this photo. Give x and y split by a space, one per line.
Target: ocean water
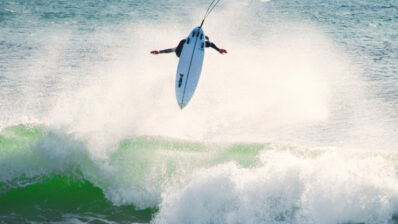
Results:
297 124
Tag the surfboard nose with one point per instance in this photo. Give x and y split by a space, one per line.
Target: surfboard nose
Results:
182 105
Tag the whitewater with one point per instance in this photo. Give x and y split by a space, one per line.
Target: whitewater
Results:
298 123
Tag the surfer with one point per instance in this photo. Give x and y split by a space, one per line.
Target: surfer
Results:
178 49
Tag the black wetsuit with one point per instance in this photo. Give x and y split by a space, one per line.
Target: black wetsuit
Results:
178 49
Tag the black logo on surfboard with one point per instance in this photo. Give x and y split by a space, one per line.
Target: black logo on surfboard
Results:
180 80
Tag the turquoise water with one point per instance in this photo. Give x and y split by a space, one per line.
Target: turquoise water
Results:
296 124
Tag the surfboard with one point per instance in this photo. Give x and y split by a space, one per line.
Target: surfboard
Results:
190 66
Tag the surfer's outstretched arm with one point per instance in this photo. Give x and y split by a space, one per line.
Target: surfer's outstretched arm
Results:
212 45
163 51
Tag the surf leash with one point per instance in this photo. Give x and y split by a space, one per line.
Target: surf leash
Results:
212 5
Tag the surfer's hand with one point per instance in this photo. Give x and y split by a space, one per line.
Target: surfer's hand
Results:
223 51
154 52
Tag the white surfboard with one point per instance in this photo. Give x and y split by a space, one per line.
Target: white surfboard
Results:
190 66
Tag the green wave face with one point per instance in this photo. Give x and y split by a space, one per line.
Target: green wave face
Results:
59 198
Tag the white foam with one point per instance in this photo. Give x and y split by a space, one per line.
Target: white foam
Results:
286 187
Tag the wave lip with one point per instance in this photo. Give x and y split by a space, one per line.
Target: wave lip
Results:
27 152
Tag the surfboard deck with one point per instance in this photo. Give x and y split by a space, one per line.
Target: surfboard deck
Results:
190 66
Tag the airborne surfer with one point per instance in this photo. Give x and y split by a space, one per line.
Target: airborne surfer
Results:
178 49
190 63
